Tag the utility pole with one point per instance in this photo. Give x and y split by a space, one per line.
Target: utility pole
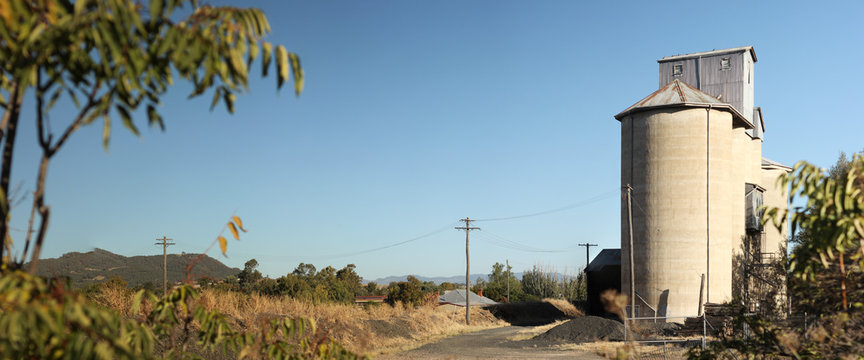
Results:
587 257
630 251
164 242
467 229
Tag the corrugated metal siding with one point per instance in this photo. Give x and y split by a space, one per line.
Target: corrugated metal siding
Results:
688 76
705 73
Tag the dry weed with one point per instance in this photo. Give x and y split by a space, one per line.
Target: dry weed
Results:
565 307
113 297
377 328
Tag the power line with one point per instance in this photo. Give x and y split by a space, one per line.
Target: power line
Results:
336 256
563 208
500 241
360 252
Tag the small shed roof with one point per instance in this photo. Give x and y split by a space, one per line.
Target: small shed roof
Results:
457 297
606 257
680 94
711 53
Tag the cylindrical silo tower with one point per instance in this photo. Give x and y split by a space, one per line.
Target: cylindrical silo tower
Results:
677 156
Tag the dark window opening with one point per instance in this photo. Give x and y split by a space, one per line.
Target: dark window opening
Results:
725 64
677 70
753 207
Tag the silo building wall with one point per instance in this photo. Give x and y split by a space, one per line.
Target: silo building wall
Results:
678 163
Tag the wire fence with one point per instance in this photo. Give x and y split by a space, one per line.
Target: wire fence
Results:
666 337
672 337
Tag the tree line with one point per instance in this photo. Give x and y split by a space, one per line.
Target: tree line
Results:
308 283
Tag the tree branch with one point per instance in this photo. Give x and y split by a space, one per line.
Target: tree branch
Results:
40 118
43 143
91 101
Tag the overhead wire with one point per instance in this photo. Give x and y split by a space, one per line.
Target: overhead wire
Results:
492 238
500 241
563 208
361 252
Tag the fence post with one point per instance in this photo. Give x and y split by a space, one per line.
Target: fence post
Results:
625 325
704 329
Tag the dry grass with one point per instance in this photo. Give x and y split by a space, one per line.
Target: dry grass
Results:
374 329
114 297
619 350
565 307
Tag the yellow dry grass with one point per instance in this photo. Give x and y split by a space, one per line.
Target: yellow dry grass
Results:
374 329
565 307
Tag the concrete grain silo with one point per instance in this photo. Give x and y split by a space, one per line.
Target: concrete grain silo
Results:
691 153
676 154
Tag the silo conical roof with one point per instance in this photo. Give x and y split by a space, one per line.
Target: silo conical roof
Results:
680 94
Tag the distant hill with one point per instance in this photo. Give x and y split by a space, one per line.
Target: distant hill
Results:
100 265
456 279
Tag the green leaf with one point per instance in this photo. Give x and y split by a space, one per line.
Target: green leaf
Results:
156 7
265 58
127 120
281 66
297 71
79 6
106 131
153 117
229 100
253 52
216 95
53 99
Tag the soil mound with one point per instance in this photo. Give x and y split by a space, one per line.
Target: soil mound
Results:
532 313
584 329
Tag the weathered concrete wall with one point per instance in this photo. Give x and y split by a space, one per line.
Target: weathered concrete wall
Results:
741 149
680 167
775 196
754 163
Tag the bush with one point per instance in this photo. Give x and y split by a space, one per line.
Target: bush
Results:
38 321
405 292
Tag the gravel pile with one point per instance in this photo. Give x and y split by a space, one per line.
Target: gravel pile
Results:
584 329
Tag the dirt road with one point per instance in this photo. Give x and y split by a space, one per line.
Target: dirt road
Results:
498 343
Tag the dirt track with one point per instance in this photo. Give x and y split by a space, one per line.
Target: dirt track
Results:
489 344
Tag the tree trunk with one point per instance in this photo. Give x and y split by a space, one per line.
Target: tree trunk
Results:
9 127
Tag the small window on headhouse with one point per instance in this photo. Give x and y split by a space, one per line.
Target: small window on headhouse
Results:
725 64
677 70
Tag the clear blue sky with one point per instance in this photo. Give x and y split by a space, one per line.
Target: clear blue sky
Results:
417 114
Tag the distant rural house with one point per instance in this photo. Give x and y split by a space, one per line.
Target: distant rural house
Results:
691 155
457 298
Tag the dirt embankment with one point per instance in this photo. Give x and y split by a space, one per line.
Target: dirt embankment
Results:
534 313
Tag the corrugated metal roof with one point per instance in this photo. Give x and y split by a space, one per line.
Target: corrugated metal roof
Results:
711 53
769 164
679 94
457 297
